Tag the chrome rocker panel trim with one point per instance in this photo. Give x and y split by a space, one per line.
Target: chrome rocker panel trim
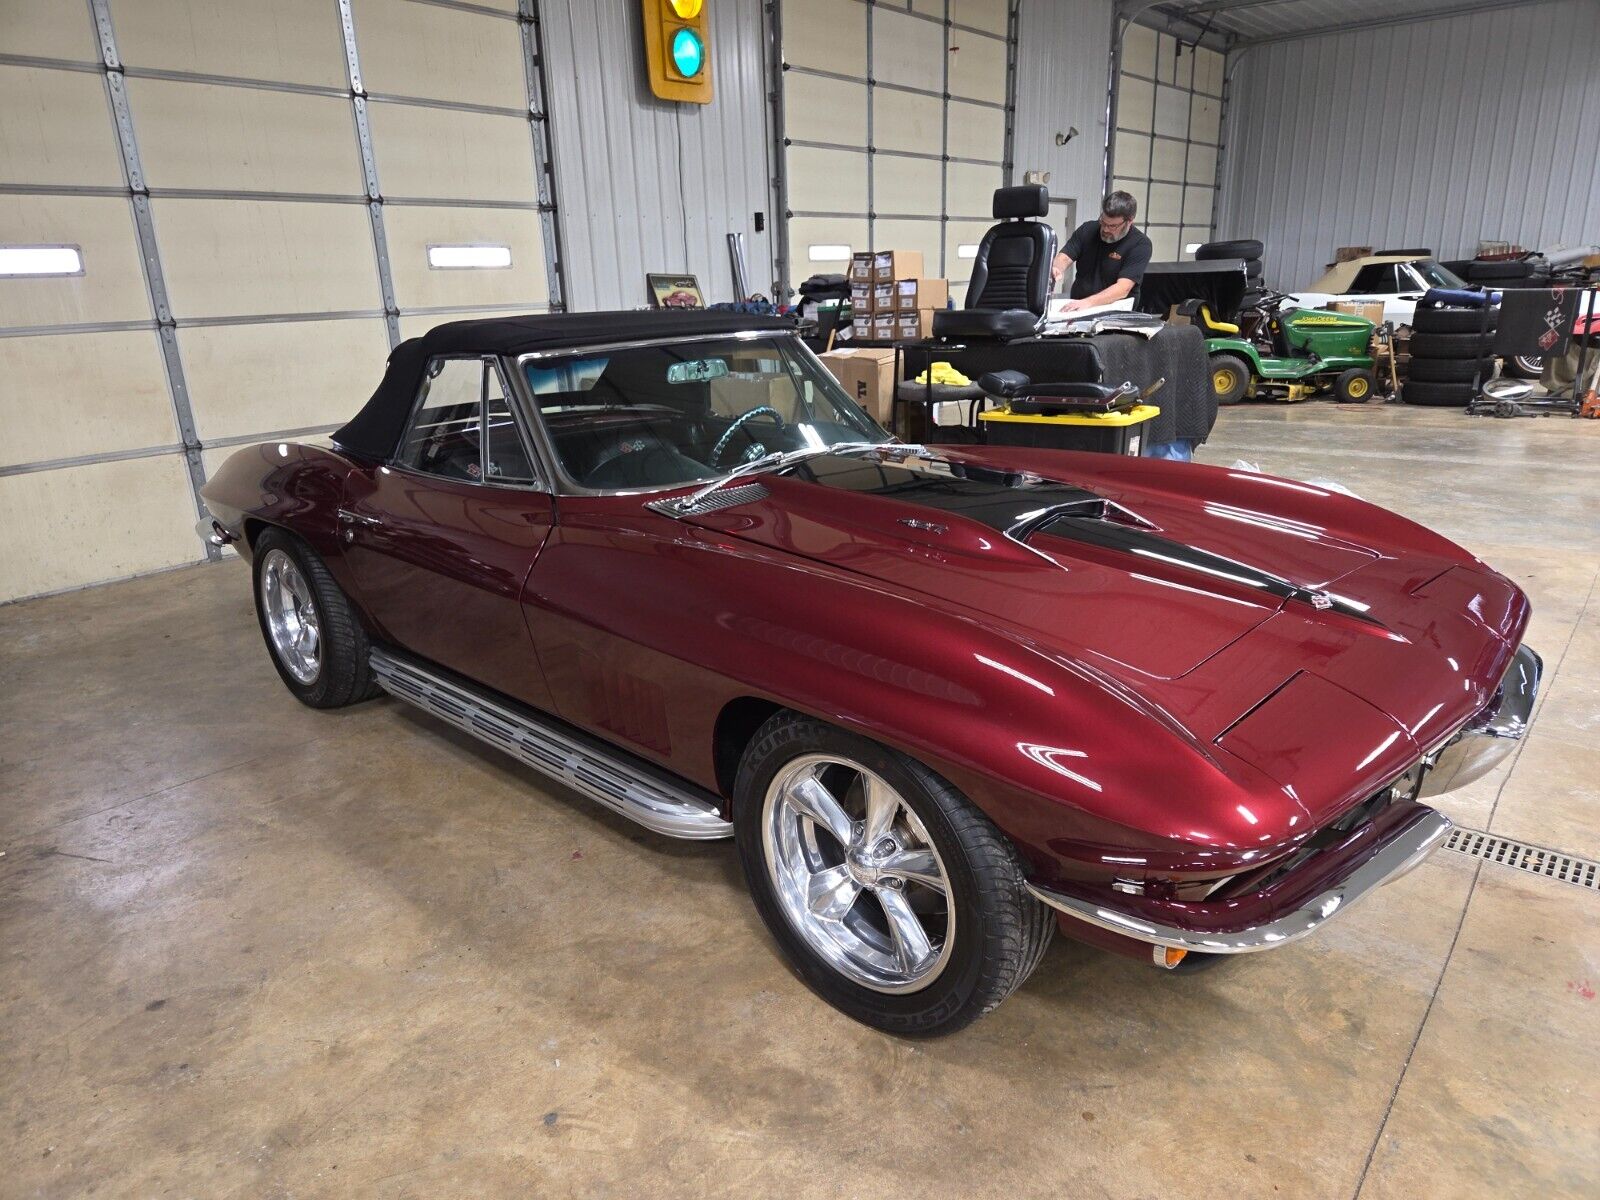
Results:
609 779
1483 742
1392 861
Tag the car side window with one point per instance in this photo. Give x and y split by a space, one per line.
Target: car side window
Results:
463 426
1377 278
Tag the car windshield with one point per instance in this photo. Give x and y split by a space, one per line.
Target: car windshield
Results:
687 412
1436 276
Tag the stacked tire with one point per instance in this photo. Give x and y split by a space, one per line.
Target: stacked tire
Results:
1248 249
1450 347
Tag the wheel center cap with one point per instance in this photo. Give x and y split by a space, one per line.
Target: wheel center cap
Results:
865 866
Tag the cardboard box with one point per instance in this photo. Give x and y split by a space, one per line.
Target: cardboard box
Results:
889 265
861 267
867 375
883 327
883 298
1350 253
914 326
731 395
861 327
1372 310
910 295
860 297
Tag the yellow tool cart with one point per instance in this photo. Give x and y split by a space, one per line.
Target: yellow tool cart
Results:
1106 433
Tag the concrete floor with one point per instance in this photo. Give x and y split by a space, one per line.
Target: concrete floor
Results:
251 950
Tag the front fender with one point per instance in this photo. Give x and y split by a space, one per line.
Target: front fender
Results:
1236 346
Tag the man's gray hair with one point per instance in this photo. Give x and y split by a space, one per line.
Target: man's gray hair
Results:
1119 205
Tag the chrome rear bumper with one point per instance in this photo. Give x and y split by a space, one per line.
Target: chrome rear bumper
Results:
1478 746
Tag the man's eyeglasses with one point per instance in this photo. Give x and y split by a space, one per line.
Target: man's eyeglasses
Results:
1114 224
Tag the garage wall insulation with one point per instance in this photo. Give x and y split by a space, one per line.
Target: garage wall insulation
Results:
647 185
1435 134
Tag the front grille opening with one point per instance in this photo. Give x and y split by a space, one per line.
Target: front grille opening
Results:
1522 856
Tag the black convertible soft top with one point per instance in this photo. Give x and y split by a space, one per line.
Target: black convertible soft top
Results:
375 430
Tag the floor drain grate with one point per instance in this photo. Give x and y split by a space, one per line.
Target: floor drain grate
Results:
1523 857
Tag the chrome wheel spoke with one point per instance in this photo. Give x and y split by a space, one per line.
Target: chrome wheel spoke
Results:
919 865
882 804
912 948
290 614
811 799
831 894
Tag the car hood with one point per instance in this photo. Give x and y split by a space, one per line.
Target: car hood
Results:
1204 591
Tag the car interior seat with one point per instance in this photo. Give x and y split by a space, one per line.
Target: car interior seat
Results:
1011 272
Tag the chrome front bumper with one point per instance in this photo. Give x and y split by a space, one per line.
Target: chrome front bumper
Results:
1249 924
1478 746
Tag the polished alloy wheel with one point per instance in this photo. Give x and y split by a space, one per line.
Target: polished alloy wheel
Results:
292 623
856 874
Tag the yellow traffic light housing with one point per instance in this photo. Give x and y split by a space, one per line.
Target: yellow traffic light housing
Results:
677 49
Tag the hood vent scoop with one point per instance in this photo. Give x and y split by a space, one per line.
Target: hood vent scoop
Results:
1108 525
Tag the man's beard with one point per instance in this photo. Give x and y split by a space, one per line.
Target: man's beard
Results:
1109 240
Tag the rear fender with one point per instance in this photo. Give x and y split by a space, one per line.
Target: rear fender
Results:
1238 347
284 484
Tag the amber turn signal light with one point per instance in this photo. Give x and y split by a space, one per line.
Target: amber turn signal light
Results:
1166 956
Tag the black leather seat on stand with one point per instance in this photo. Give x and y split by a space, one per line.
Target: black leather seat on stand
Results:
1010 274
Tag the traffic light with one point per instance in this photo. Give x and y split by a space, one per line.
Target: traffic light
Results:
677 49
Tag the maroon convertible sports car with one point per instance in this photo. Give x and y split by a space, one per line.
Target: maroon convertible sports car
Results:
944 699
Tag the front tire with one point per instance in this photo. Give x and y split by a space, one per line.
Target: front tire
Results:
313 634
1355 386
891 895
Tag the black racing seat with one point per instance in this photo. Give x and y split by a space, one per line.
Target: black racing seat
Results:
1010 274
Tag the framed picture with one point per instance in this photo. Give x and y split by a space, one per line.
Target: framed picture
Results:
675 291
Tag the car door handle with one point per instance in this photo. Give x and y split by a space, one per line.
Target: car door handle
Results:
347 517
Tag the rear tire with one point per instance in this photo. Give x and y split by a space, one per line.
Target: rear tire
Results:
1245 248
890 894
1230 378
1524 366
1355 386
313 635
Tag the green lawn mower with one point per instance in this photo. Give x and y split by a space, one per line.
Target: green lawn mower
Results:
1264 350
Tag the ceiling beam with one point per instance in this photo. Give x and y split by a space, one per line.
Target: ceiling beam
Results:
1217 6
1436 14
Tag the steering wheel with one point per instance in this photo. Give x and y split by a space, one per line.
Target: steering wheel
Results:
738 422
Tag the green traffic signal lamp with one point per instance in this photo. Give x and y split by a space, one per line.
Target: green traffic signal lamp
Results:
688 53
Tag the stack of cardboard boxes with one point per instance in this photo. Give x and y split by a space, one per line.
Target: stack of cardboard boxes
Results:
890 301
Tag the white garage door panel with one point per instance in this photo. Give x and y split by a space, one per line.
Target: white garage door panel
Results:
445 154
294 41
418 325
1167 159
971 189
828 35
412 49
1136 105
47 29
1139 51
921 236
112 286
83 524
69 395
1205 121
980 14
824 232
412 230
977 67
246 379
1131 151
226 258
1203 165
827 180
1139 189
1208 72
906 185
906 121
1164 245
1197 206
906 49
195 135
55 128
1166 204
829 110
977 131
1172 111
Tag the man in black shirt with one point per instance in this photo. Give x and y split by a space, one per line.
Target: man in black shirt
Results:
1110 254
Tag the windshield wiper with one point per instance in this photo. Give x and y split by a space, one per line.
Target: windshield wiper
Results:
776 461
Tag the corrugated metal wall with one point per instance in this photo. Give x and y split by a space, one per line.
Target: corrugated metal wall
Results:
1433 134
1062 51
648 185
